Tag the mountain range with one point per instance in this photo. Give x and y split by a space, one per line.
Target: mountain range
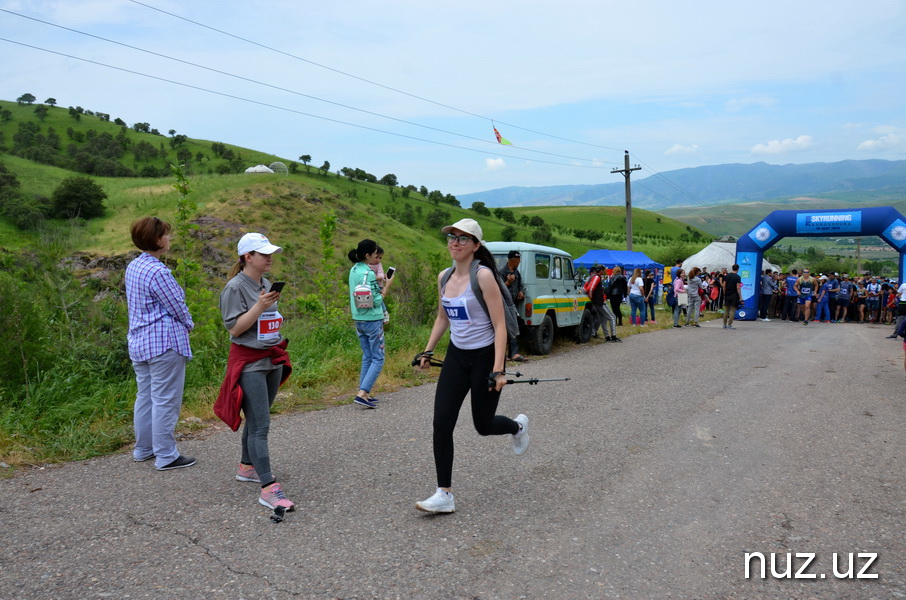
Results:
714 185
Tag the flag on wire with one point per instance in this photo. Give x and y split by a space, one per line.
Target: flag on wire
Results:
501 139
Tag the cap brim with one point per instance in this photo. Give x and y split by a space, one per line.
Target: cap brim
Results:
269 249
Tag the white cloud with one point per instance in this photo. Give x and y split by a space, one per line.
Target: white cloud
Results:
786 146
494 164
738 104
680 149
885 142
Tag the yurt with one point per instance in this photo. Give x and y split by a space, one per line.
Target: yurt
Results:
718 255
259 169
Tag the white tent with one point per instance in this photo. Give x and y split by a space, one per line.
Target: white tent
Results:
718 255
259 169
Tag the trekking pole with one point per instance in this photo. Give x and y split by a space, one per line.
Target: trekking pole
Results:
531 381
432 362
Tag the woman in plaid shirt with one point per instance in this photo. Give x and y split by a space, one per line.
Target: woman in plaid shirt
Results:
159 326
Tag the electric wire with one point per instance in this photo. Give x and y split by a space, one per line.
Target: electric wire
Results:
283 89
362 79
290 110
411 95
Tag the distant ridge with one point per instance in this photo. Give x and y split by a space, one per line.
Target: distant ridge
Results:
712 185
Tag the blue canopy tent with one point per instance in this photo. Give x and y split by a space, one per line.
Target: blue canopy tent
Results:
626 259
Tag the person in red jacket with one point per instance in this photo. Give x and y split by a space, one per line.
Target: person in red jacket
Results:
258 363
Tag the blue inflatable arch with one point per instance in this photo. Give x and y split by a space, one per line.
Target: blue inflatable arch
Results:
884 222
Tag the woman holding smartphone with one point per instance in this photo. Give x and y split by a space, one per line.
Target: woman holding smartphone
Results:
366 302
257 365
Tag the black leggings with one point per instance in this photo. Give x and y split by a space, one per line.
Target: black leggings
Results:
465 370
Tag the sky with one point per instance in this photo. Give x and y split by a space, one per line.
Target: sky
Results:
415 88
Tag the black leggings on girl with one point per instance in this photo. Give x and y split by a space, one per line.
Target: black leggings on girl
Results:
465 370
259 388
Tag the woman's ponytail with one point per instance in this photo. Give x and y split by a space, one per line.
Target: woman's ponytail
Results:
357 255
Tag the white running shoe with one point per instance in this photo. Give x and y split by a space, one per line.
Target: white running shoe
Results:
521 439
440 502
766 320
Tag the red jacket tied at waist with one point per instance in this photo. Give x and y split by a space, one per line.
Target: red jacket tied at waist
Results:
229 401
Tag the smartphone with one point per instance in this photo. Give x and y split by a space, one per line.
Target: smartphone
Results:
277 286
390 272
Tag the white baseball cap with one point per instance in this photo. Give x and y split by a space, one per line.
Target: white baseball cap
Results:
470 226
257 242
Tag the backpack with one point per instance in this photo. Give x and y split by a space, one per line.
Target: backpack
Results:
671 296
509 308
362 295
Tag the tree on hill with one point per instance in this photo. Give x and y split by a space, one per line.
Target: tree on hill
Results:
325 167
389 179
51 102
481 209
78 197
41 111
26 99
305 158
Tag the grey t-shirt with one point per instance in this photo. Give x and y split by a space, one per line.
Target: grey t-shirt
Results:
238 296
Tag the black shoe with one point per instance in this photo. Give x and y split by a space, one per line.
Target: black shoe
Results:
180 463
152 456
892 337
678 326
364 402
615 339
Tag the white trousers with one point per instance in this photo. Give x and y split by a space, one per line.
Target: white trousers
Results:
157 404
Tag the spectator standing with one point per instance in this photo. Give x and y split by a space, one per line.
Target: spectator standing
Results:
650 293
637 298
682 297
602 312
158 342
693 289
732 294
513 280
767 292
616 291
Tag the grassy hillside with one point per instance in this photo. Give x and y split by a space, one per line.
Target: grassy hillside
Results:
61 282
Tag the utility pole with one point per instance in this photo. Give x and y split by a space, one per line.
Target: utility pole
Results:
626 172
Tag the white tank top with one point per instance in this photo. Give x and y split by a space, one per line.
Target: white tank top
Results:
470 325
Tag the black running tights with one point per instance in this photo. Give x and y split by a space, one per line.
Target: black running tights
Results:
465 370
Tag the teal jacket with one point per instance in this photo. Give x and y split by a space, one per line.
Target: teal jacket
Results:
360 272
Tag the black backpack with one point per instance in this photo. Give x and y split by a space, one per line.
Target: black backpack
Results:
509 308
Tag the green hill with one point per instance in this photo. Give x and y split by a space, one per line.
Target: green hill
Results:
66 383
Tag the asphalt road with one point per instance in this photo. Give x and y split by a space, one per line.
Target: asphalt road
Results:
650 474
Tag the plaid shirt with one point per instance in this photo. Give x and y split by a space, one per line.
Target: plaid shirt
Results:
159 319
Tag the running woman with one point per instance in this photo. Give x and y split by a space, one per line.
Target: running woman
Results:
475 357
807 287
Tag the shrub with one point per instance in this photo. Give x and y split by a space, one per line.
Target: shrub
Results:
78 197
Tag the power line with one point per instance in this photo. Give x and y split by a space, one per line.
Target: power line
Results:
405 93
362 79
283 108
283 89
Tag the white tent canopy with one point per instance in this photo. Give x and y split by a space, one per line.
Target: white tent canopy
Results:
259 169
718 255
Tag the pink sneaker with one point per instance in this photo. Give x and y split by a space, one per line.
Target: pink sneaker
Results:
272 496
247 473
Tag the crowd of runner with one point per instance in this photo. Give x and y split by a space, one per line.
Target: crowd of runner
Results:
827 298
